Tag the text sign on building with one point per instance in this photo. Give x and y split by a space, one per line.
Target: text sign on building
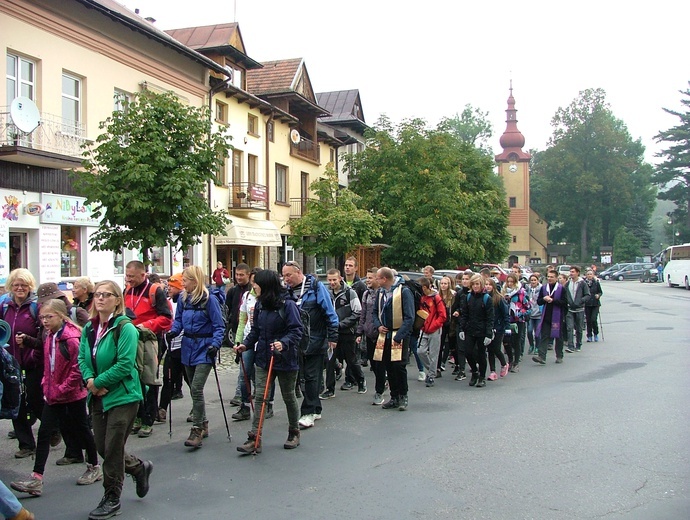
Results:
61 209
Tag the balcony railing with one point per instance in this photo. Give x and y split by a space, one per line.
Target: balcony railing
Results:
298 207
54 134
306 148
248 196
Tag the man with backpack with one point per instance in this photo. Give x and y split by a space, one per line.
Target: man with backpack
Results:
151 309
312 297
233 300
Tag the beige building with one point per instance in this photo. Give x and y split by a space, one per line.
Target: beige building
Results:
527 229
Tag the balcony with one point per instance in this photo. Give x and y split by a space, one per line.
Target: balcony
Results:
248 196
306 149
298 207
56 142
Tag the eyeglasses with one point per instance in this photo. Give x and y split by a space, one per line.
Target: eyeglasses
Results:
46 317
292 263
99 295
19 286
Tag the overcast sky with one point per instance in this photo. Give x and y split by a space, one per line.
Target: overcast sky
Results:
429 59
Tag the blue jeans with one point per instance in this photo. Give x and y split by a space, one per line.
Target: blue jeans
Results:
9 505
414 340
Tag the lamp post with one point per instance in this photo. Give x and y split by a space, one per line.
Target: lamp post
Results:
674 234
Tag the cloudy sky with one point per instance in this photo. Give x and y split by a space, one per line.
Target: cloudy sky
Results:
429 59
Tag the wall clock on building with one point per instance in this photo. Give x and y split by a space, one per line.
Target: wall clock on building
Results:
513 168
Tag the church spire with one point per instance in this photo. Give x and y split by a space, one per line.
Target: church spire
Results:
512 140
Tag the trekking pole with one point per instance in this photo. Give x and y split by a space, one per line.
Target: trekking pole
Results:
601 324
170 382
247 382
220 395
257 440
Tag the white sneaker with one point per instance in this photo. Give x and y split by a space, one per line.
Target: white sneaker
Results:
421 376
317 416
91 475
306 421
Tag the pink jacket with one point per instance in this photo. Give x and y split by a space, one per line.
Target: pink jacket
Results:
63 383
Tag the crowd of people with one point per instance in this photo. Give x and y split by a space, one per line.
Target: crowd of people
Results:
84 380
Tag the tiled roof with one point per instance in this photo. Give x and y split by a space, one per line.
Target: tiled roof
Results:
206 36
275 77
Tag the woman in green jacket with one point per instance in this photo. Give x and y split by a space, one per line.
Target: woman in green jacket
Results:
107 360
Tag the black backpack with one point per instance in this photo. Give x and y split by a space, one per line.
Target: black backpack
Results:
10 385
417 293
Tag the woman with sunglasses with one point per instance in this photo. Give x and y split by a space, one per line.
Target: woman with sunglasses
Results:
20 310
107 359
65 397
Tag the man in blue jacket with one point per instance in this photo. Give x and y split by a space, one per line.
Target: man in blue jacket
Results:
394 317
312 296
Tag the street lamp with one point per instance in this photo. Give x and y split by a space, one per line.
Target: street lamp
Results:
674 233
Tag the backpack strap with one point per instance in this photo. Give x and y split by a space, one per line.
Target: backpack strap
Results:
63 349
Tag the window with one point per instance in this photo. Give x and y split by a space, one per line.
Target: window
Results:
222 176
281 183
252 167
270 131
20 78
514 239
70 260
253 125
71 104
512 202
221 112
120 99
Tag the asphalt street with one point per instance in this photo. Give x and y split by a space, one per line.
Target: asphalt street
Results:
604 435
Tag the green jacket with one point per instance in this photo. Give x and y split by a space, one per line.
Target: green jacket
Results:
112 366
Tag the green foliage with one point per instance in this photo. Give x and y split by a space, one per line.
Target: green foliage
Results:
673 174
626 246
472 127
147 173
591 175
443 204
333 224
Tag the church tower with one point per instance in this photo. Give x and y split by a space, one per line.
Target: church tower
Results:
527 230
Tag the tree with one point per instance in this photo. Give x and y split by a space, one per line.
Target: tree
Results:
147 172
673 174
443 204
585 178
333 224
626 246
472 127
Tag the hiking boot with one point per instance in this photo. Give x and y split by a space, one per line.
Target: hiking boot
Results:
195 437
249 445
362 388
504 370
24 452
461 376
161 416
306 421
107 508
347 386
493 376
293 440
33 486
402 403
55 439
137 425
66 461
204 429
328 394
539 359
269 411
474 379
378 399
236 401
24 514
242 414
145 431
91 475
392 403
142 478
481 382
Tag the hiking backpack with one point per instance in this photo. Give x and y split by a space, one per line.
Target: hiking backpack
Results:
147 353
10 385
417 293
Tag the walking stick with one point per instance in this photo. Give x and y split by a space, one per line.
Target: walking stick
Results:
601 324
170 382
247 382
257 440
220 395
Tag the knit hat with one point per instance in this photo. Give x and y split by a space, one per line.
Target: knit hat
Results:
49 291
176 281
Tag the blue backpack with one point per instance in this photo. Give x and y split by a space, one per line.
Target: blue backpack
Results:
10 385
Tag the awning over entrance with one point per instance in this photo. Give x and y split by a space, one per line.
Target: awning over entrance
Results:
246 231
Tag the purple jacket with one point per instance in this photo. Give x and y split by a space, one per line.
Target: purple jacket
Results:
64 383
20 319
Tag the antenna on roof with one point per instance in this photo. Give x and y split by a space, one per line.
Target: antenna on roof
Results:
234 11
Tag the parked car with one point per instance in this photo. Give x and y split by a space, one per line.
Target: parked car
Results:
631 271
564 269
650 275
606 273
451 273
502 273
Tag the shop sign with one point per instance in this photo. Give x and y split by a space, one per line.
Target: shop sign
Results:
61 209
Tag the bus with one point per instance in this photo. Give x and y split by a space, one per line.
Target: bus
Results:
677 265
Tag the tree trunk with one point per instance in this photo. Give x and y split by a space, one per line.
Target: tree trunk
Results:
145 249
583 241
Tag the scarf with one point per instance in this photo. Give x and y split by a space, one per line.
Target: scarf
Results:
556 311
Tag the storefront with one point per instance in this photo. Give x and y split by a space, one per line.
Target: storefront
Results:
244 242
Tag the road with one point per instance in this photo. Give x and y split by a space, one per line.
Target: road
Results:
604 435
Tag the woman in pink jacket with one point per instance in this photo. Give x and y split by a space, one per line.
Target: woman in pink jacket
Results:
65 396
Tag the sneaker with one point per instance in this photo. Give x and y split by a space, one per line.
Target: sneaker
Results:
421 376
455 371
481 382
242 414
596 338
328 394
33 486
378 400
402 403
569 350
362 388
177 395
236 401
91 475
474 379
66 461
107 508
429 382
269 411
347 386
539 360
504 370
137 425
493 376
461 376
24 452
317 416
306 421
559 360
161 416
339 372
578 349
442 368
390 404
514 369
142 478
589 339
145 431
